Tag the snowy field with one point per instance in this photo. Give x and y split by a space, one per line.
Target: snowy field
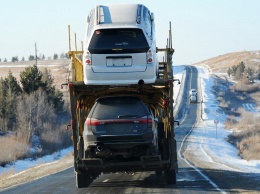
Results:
209 134
23 165
207 137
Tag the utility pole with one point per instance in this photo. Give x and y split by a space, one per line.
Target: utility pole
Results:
36 53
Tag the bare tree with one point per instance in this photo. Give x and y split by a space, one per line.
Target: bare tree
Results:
37 114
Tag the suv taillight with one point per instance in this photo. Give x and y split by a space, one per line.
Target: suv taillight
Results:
87 58
93 122
148 120
149 56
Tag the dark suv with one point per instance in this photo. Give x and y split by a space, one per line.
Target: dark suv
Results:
120 127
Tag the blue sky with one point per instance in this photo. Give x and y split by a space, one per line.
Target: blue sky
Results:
201 29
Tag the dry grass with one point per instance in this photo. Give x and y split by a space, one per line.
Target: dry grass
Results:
247 136
245 120
53 140
231 122
12 147
256 97
249 148
248 88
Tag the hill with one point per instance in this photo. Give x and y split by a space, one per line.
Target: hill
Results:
221 63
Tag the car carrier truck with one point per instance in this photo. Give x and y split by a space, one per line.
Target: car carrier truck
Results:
158 96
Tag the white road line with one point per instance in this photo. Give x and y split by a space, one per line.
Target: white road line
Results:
194 167
106 180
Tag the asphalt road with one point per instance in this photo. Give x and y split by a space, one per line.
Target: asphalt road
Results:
189 178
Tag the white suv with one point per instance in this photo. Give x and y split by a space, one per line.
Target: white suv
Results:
120 46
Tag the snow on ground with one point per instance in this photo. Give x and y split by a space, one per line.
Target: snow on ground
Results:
22 165
209 137
206 137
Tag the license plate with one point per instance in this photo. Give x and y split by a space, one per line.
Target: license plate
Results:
119 62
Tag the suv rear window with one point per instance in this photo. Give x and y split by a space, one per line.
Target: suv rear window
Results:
116 108
110 41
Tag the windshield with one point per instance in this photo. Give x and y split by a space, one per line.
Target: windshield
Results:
109 41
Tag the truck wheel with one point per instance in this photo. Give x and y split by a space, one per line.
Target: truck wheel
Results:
170 176
83 180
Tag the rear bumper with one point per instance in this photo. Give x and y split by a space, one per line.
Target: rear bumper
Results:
122 78
146 163
122 141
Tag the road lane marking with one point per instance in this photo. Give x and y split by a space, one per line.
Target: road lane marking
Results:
194 167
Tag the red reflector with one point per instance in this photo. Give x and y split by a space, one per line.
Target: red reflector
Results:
165 102
88 61
149 60
70 84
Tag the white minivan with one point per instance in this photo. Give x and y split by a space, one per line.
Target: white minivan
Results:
119 46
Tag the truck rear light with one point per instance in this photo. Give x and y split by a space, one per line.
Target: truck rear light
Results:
149 56
88 58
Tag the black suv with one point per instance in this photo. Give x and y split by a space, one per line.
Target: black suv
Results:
121 126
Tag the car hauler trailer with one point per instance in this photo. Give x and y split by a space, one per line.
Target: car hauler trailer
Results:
158 96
